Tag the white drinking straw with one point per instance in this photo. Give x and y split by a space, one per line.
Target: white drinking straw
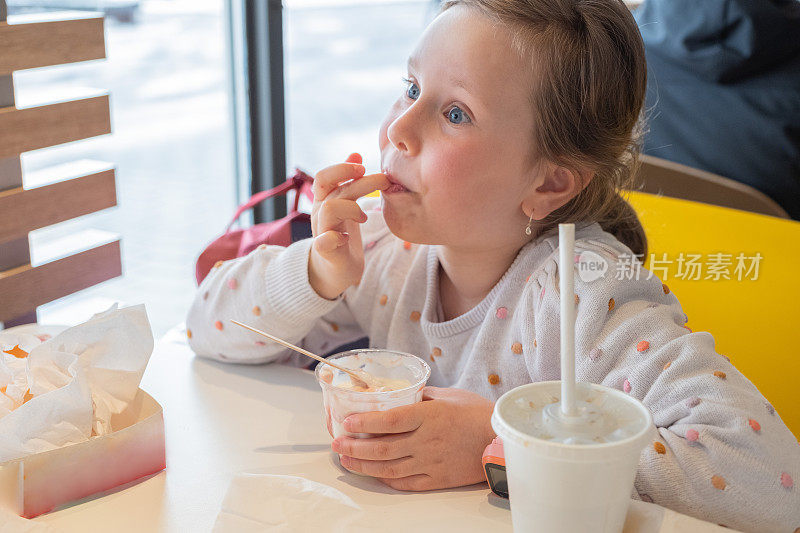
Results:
566 268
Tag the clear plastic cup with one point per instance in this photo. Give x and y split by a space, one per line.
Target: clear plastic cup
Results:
340 402
570 488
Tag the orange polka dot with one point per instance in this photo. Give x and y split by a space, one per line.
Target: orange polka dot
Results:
334 326
720 374
406 245
218 264
415 316
754 424
384 299
611 304
577 299
257 311
494 379
528 278
665 288
188 334
659 448
516 348
669 364
437 352
534 343
642 346
718 482
218 325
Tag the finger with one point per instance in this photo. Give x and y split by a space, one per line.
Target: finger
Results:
330 177
330 241
417 482
433 393
357 188
354 158
334 211
374 449
396 468
398 420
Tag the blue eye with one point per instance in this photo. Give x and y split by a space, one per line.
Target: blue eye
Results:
457 116
410 89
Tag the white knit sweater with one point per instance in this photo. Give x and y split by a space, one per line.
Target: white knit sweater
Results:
723 453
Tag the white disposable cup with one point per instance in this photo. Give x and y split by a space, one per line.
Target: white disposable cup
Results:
340 403
568 488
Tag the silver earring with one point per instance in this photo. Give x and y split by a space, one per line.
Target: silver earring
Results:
528 227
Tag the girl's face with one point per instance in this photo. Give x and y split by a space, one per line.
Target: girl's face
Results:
458 139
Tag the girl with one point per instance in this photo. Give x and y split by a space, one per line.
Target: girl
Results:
516 115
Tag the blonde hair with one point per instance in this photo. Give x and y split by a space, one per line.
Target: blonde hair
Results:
589 79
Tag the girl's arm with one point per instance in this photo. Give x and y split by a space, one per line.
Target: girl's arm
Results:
269 290
722 454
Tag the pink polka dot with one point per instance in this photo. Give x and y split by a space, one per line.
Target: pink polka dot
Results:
626 385
502 313
541 294
692 435
261 343
754 424
786 480
642 346
693 402
232 283
595 354
370 245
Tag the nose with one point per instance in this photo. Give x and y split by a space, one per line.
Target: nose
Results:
403 132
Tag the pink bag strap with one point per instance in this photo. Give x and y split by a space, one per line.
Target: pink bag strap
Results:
299 182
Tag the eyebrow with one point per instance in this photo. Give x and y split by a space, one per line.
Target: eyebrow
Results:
412 64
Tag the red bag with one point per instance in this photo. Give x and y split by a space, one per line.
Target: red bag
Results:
283 232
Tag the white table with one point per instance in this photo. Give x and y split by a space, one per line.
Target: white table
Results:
222 419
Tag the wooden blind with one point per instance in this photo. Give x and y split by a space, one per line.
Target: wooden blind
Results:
32 42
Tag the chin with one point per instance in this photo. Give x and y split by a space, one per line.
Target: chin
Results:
404 225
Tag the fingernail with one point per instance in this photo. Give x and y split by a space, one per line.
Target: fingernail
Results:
362 169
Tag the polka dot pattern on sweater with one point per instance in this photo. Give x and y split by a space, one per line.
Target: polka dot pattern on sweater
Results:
415 316
786 480
516 348
233 284
626 385
256 311
501 313
755 425
718 482
659 448
692 435
383 300
406 245
611 304
720 374
494 379
642 346
218 325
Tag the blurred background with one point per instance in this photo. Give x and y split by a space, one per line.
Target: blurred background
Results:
170 69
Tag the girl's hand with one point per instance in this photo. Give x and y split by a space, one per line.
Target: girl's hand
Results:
434 444
337 256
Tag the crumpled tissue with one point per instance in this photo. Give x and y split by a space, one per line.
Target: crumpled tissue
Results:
66 389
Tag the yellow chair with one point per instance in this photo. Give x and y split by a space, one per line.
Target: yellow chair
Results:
753 316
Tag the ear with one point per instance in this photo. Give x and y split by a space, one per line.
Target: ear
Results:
554 186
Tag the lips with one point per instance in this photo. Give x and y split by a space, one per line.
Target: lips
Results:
395 186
